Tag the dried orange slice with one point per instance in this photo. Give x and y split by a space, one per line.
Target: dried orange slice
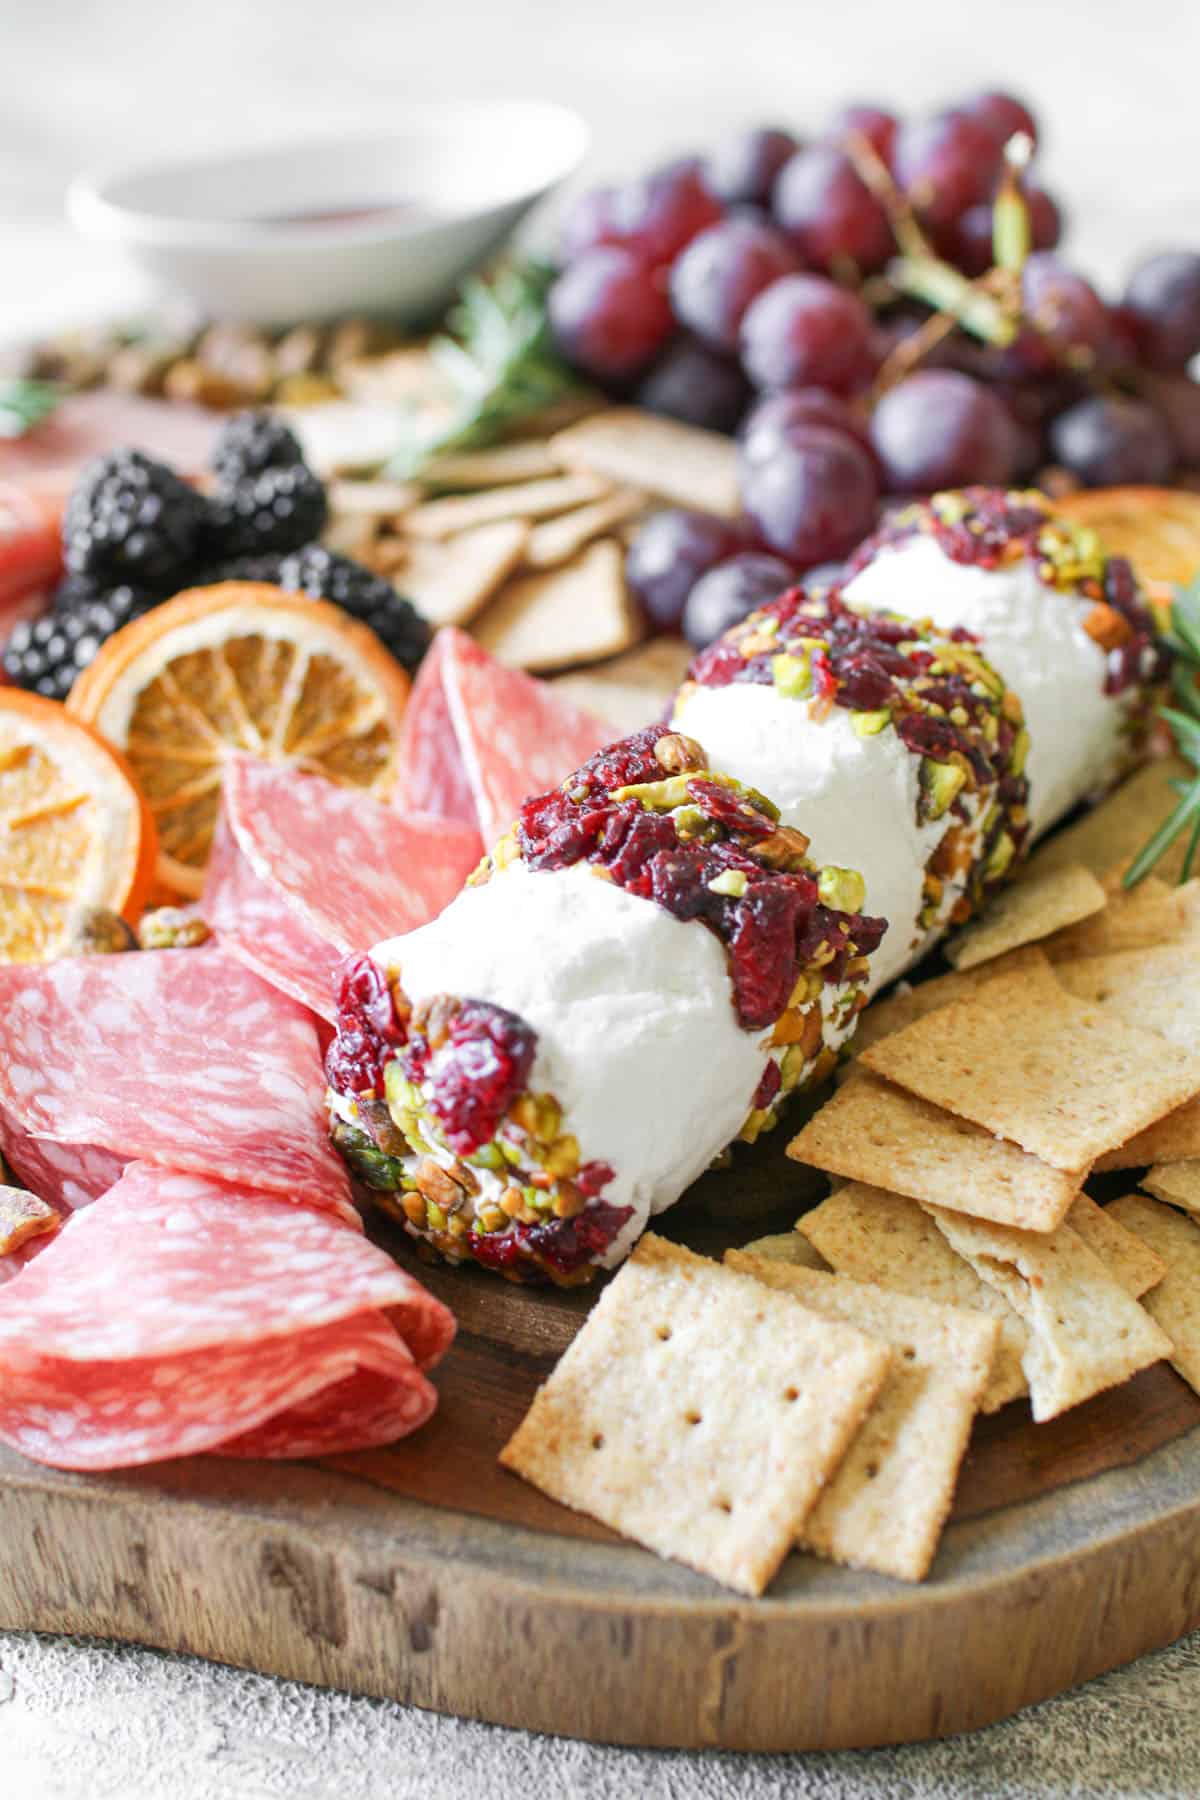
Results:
75 833
1158 529
240 666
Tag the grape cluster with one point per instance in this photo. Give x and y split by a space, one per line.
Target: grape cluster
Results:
757 289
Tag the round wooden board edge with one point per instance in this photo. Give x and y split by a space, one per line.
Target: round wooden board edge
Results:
466 1616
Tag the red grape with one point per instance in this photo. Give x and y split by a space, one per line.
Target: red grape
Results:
871 122
942 429
725 595
1065 310
806 332
972 237
660 213
814 499
668 556
1177 398
742 168
1109 441
776 418
692 383
1164 296
1003 115
946 164
829 213
721 272
588 222
609 313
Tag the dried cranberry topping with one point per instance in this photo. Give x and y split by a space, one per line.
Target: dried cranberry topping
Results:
477 1072
593 1177
562 1245
726 807
768 1087
763 950
979 529
369 1029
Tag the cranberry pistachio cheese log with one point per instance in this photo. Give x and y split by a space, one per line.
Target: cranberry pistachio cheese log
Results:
633 978
984 668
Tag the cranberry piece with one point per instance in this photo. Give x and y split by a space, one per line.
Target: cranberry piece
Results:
553 832
631 838
369 1028
927 736
566 1244
594 1176
864 685
728 809
763 951
478 1074
768 1087
718 666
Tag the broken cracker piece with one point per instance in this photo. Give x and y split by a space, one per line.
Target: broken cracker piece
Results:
678 462
698 1413
784 1247
1175 1302
1026 912
1173 1138
875 1132
451 580
1065 1079
1086 1332
523 500
1177 1182
1151 913
888 1240
578 613
23 1216
558 540
886 1505
1136 1266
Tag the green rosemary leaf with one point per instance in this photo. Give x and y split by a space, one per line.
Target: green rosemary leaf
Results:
24 404
1187 732
1185 621
1188 809
1189 855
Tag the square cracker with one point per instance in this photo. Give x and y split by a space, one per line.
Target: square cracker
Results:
699 1413
451 580
874 1132
551 618
683 463
1135 1265
1065 1079
1173 1138
1175 1302
1157 987
557 540
1151 913
1177 1182
1086 1332
906 1004
885 1507
1110 835
873 1236
522 500
631 688
1027 911
494 467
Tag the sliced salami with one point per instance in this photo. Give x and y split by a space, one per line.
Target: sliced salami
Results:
181 1314
179 1057
65 1176
30 554
304 872
480 737
48 458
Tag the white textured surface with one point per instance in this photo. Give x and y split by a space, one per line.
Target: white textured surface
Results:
92 85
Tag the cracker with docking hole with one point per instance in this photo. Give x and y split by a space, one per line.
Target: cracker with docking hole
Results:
1107 838
1026 912
1173 1138
551 618
523 500
1175 1303
676 462
886 1239
876 1132
1177 1182
886 1505
1065 1079
23 1216
784 1247
905 1005
633 687
498 467
1086 1332
1150 913
1131 1261
699 1413
558 540
451 580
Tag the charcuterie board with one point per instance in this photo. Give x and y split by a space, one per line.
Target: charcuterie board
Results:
427 1574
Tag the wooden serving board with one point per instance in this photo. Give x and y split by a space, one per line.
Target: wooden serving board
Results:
427 1574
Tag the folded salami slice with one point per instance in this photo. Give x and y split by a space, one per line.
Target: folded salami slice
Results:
479 738
180 1314
178 1057
66 1176
304 872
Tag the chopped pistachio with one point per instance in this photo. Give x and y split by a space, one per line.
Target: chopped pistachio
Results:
487 1156
731 882
792 675
690 822
1003 851
1020 751
941 784
435 1218
656 796
869 724
795 1061
843 889
562 1158
414 1208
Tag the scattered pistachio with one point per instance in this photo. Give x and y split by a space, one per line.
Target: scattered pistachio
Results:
171 928
792 675
679 754
843 889
656 796
731 882
94 931
941 784
870 724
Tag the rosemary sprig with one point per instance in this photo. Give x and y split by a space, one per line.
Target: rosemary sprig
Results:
1183 637
501 364
24 404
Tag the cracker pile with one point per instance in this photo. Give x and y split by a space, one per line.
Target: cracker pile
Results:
524 545
957 1266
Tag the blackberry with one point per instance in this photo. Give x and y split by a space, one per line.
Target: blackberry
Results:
241 568
130 519
45 655
324 575
251 442
278 509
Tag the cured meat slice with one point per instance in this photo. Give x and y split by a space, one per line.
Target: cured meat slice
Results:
479 737
30 554
66 1176
181 1314
304 872
179 1057
48 458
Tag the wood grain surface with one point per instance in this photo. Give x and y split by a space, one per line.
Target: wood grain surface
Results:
428 1574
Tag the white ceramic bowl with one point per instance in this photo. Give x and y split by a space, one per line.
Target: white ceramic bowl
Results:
385 224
